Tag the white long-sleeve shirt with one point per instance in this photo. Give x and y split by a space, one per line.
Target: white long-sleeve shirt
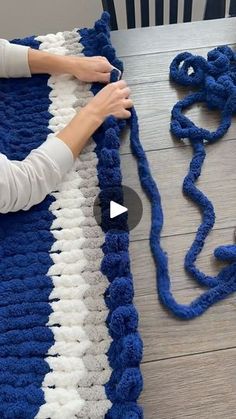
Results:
27 182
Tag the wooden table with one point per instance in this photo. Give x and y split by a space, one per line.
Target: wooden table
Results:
189 368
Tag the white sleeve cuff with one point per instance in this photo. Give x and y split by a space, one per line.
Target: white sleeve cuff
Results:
17 61
14 61
58 152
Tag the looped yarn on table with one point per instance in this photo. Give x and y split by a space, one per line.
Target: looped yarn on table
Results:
216 80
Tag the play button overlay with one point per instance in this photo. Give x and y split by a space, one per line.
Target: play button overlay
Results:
118 208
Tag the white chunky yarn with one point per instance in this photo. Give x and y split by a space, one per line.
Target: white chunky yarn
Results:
79 367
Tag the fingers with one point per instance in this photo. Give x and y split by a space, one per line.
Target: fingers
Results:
101 58
120 87
106 66
103 77
116 98
103 65
126 114
126 92
121 84
128 103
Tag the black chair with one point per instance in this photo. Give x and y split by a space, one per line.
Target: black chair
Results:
214 9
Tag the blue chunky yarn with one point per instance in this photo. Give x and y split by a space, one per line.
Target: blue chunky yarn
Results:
216 80
125 352
26 241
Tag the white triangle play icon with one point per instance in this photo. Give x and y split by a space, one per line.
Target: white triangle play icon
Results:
116 209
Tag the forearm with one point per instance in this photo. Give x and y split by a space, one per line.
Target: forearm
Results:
88 69
77 133
22 61
26 183
44 62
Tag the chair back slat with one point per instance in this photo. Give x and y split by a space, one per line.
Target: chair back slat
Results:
214 9
108 6
173 13
159 12
144 7
130 13
232 8
188 6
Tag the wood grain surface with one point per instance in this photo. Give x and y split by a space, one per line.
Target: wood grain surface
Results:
174 37
197 387
189 368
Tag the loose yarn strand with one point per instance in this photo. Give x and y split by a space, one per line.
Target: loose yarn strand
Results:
216 78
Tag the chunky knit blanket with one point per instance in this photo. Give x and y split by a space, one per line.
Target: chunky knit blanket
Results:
69 345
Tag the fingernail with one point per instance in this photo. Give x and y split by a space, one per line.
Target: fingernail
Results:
119 73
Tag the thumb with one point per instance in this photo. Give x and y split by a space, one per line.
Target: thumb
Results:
103 77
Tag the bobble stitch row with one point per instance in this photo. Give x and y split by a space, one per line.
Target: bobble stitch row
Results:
125 353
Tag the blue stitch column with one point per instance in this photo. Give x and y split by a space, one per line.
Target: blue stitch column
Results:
125 352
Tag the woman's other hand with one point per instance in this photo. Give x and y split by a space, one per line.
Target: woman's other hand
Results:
113 99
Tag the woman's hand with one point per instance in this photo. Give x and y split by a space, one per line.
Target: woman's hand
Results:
113 99
90 69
